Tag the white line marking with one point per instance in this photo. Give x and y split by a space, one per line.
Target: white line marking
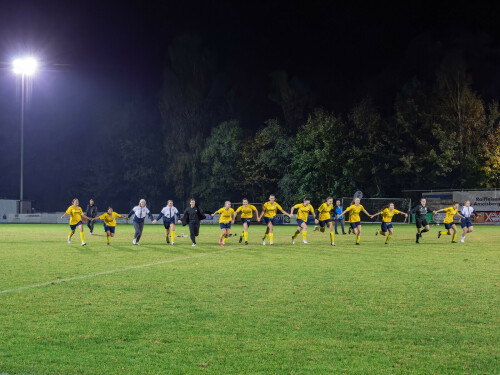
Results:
116 271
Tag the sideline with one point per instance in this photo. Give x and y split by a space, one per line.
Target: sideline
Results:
59 281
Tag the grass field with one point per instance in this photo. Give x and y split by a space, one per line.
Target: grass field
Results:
404 308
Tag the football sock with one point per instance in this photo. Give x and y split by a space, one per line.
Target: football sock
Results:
304 234
358 238
296 234
246 236
265 235
443 233
224 239
388 238
332 236
82 236
424 230
454 237
271 237
70 235
107 239
172 236
380 231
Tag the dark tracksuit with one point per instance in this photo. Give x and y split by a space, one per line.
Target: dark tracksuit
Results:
420 221
91 212
420 214
192 217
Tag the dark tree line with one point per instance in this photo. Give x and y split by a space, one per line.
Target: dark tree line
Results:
440 134
198 140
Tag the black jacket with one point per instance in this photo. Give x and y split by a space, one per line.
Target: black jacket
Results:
420 211
91 211
192 215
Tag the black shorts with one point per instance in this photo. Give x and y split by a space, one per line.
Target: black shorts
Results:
73 227
421 223
108 228
323 223
167 222
268 220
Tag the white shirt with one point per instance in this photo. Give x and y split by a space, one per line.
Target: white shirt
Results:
170 212
467 211
140 212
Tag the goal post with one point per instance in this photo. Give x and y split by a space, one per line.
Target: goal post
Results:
373 205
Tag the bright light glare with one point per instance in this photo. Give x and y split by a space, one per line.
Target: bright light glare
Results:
25 66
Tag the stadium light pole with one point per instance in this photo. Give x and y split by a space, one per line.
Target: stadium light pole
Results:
24 67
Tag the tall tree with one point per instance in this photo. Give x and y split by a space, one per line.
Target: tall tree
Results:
293 96
219 173
319 158
193 99
264 161
461 113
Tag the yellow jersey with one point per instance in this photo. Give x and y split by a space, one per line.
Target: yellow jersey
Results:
324 211
303 211
388 214
270 209
354 213
450 214
75 214
225 215
108 219
246 212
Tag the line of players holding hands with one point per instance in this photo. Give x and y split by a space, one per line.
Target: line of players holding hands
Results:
268 214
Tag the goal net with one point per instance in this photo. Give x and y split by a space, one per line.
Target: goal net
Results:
373 205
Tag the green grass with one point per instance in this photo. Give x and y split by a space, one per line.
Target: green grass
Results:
404 308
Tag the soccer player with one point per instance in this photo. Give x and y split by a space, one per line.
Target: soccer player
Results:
168 213
192 216
325 218
448 221
109 219
387 213
420 211
354 219
350 228
75 220
227 216
246 217
465 222
91 212
303 211
140 212
269 213
338 217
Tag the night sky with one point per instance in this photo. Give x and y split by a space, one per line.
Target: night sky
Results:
96 54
